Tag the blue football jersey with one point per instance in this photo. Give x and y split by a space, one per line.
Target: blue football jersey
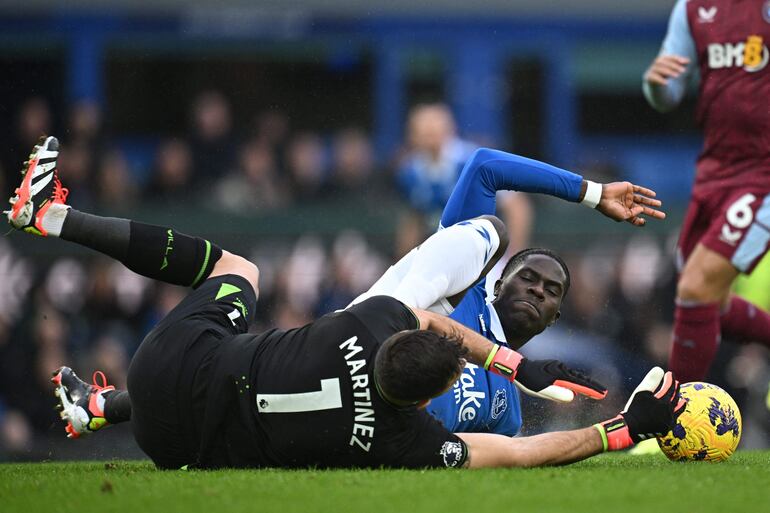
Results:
479 402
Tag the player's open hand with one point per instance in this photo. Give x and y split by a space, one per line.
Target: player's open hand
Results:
624 201
654 406
665 67
650 411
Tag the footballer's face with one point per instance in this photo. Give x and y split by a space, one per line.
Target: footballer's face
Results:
528 299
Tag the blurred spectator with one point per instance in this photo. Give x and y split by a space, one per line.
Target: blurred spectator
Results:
593 277
304 272
101 300
352 161
213 147
428 171
254 184
657 344
34 120
51 330
116 186
172 174
306 162
271 127
15 434
130 290
633 295
76 163
354 267
298 281
641 267
435 157
354 173
16 278
109 355
85 124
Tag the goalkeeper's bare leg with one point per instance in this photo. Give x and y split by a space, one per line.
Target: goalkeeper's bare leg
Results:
39 207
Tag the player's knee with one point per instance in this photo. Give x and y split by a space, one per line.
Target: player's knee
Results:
690 287
500 229
234 264
700 285
249 271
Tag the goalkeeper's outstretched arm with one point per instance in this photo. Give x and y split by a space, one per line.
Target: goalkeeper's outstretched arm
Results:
487 450
651 411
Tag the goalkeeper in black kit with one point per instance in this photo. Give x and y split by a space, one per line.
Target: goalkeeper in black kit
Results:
348 390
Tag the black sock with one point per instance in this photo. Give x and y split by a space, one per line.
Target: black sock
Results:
117 406
108 235
153 251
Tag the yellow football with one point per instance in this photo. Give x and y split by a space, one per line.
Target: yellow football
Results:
708 430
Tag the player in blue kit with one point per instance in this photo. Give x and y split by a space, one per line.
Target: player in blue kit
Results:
528 295
481 401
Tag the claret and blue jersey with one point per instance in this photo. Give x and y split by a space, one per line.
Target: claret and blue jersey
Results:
481 401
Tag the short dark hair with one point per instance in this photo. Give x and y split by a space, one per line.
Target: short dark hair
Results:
525 253
416 365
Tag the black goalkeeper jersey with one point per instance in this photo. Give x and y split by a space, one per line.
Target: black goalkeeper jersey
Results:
306 397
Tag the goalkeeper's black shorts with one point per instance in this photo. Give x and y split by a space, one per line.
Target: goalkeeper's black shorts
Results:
171 372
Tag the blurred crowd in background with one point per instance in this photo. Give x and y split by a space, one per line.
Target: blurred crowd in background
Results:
86 311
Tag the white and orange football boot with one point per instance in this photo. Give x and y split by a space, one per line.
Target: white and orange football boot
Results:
40 201
81 405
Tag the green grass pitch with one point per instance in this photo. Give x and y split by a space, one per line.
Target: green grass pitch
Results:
617 483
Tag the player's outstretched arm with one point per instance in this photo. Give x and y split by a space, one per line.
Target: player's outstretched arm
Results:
651 411
489 171
487 450
546 379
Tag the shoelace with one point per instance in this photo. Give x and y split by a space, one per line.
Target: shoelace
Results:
60 194
104 385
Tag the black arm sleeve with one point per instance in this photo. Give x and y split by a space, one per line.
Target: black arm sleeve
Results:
433 446
384 316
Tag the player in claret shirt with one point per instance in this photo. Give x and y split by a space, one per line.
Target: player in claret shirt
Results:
727 227
348 390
